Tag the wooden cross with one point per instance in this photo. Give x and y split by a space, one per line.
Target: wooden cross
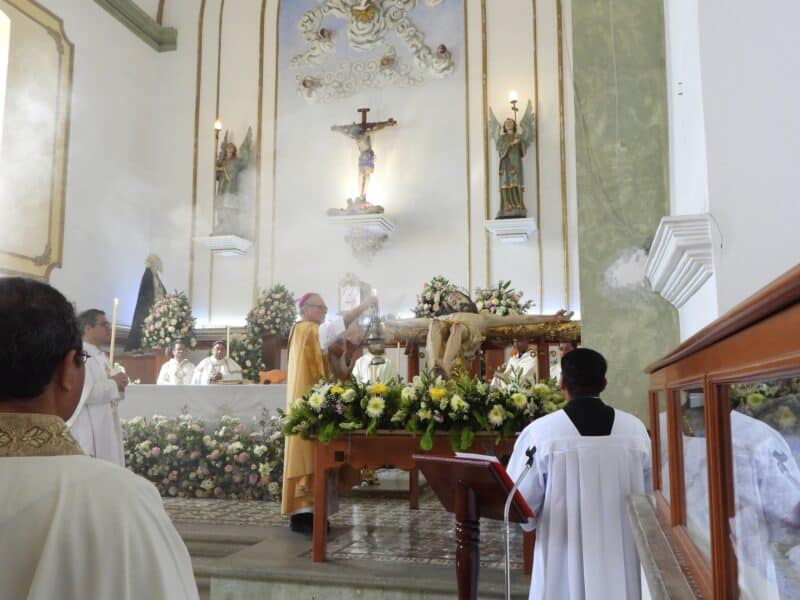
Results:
363 112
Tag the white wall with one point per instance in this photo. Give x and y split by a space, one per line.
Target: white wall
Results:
748 53
734 139
113 153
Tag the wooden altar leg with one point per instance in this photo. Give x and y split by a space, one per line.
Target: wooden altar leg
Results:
320 535
413 489
528 540
467 542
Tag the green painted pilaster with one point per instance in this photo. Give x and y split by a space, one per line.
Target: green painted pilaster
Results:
622 186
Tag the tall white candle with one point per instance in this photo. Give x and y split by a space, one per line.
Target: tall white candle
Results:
228 340
113 332
397 366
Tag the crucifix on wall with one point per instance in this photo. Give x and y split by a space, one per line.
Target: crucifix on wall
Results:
361 133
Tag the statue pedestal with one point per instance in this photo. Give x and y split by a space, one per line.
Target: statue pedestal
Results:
365 233
225 245
511 231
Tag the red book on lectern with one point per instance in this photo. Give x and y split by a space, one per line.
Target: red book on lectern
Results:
487 477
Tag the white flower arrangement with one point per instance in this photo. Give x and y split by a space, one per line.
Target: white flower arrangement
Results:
274 313
501 300
169 321
430 301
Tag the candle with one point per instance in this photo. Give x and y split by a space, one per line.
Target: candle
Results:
228 340
113 333
513 96
218 125
397 366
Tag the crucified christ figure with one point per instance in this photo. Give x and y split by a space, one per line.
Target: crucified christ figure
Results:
361 133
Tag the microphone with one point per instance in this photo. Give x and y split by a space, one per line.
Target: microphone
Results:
530 453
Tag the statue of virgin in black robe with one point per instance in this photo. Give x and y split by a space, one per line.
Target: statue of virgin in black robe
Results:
150 290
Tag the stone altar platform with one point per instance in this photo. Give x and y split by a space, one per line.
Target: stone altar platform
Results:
378 549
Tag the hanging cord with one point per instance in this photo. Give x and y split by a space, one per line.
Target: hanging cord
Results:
528 464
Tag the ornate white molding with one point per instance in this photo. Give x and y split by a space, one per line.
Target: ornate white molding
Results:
680 259
365 233
511 231
225 245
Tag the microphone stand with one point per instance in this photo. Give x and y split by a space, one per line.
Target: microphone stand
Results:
530 452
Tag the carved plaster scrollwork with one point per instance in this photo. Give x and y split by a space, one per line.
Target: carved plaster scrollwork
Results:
368 24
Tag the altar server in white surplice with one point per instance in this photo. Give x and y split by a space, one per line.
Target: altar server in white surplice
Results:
589 457
178 370
217 368
363 372
96 424
71 527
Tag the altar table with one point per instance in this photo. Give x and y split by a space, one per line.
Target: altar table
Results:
388 448
207 402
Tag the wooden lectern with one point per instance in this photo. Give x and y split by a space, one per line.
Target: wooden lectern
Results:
471 488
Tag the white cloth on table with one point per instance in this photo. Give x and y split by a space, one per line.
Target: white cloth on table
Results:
577 488
363 372
95 424
76 528
174 373
210 366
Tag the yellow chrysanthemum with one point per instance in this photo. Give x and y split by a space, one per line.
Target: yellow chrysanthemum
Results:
519 400
337 390
378 388
437 393
497 415
375 406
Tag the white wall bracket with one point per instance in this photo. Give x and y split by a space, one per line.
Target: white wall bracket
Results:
681 257
365 233
225 245
511 231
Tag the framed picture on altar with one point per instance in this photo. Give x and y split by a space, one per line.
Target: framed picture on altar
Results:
352 291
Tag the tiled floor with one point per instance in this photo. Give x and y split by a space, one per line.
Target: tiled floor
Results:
375 528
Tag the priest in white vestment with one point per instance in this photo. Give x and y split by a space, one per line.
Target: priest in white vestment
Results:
71 527
96 423
588 458
178 370
217 368
362 370
521 365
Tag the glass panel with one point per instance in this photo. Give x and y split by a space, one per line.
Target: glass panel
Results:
695 468
663 441
765 526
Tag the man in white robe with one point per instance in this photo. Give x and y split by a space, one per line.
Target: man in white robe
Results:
217 368
521 365
178 370
589 457
96 423
362 370
71 527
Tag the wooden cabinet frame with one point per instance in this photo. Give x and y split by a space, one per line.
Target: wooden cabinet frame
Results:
757 340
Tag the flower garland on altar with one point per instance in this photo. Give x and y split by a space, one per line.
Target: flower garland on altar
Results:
462 406
501 300
184 459
169 321
246 351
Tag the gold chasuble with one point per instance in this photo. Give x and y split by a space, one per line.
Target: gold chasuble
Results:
306 367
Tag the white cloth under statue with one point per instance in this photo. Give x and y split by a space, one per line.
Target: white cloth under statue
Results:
175 373
577 488
96 424
76 528
363 372
208 367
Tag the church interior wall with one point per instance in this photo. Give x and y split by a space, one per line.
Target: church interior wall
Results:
752 130
622 187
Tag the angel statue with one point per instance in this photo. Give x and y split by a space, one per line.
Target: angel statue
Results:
512 140
230 163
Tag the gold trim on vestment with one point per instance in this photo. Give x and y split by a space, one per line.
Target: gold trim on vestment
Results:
24 434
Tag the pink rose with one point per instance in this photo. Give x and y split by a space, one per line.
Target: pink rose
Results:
218 491
155 451
243 457
253 479
214 455
180 454
195 454
172 491
228 468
